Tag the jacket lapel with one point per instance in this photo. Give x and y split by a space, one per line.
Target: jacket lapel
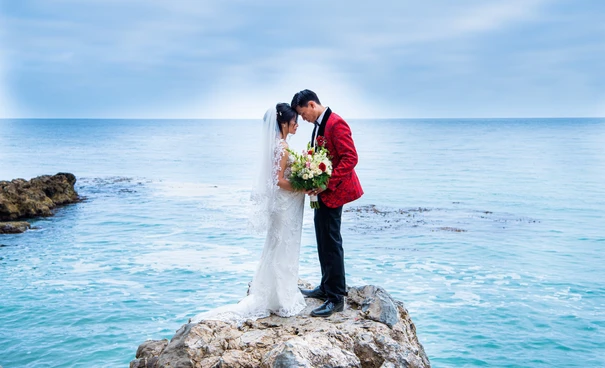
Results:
324 121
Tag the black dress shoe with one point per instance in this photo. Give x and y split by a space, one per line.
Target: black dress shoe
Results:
314 293
328 308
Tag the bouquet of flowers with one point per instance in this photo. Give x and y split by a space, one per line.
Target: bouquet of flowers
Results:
311 169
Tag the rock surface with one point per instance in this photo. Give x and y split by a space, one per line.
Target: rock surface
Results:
21 199
373 331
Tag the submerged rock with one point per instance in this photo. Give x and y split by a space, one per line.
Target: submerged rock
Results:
374 330
15 227
21 199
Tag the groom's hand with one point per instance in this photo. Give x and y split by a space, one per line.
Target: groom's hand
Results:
316 191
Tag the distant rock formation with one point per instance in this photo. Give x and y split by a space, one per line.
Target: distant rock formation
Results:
374 331
22 199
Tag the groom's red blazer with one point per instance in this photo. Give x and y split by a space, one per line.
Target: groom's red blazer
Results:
344 186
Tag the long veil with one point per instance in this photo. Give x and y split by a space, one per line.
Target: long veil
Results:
264 186
279 214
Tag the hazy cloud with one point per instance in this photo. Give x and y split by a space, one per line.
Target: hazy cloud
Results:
366 59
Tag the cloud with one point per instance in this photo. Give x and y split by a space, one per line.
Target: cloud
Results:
241 89
246 90
495 15
146 58
7 105
6 109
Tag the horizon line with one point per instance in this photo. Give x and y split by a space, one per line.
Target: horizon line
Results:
349 118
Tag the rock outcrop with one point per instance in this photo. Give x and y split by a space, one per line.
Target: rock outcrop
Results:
22 199
373 331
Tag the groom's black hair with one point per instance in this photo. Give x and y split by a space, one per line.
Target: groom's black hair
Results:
302 98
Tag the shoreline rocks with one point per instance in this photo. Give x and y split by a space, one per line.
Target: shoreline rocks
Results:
374 330
23 199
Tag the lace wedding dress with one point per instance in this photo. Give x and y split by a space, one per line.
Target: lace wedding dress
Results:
274 288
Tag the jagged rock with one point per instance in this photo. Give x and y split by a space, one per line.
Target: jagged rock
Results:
15 227
377 304
21 199
152 349
373 331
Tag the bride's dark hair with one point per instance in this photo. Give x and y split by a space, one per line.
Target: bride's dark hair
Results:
285 113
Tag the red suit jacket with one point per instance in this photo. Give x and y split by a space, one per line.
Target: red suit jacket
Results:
344 185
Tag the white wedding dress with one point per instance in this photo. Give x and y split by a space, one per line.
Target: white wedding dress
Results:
274 288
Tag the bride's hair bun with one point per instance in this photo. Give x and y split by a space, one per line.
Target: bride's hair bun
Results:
285 113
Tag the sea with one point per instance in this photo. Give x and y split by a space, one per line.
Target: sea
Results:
490 231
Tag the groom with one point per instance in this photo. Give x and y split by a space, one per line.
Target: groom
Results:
343 187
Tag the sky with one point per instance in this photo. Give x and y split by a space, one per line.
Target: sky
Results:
364 59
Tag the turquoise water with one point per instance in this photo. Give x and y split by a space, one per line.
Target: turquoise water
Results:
490 231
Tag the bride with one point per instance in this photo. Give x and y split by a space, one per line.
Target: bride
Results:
278 212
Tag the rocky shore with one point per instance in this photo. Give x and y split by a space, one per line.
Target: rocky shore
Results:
373 331
22 199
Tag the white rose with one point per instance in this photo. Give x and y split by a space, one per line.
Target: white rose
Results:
305 176
310 175
317 172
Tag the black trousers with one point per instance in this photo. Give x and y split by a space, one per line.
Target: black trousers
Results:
330 251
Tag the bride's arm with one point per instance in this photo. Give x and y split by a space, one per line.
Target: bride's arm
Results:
281 181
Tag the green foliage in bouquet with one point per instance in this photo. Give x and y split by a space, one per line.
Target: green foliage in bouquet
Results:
311 169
